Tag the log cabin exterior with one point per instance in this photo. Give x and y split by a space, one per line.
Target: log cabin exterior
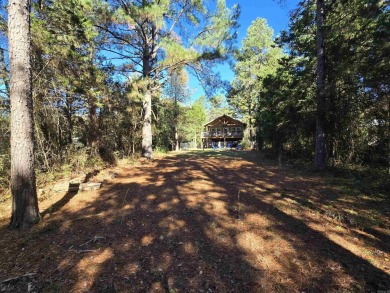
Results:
222 131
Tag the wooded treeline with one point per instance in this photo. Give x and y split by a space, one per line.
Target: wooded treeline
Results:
351 102
109 77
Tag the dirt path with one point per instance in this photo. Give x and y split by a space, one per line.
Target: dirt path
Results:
203 222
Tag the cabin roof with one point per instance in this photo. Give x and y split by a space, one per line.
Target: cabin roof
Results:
225 120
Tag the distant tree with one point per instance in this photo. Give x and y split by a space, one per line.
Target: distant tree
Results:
194 119
320 148
152 37
25 210
257 58
329 99
67 78
218 106
177 90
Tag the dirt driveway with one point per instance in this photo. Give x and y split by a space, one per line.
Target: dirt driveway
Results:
202 222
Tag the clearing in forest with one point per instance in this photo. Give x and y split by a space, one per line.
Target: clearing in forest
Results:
224 221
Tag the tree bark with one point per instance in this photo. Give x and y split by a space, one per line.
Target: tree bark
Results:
176 139
68 115
250 112
250 132
147 136
93 129
176 117
147 150
25 210
320 150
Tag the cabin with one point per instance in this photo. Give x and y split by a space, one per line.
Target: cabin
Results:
223 131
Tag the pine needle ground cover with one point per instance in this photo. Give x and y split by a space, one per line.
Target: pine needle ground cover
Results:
228 221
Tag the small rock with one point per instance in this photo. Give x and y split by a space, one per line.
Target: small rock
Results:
112 174
61 187
90 186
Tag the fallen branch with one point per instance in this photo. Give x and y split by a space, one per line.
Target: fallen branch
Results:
84 217
17 278
94 239
87 250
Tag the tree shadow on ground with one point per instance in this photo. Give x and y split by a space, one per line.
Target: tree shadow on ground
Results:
59 204
192 223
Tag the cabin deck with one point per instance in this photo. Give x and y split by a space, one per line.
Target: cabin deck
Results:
221 135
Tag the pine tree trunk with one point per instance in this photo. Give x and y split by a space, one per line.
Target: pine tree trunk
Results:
68 115
280 153
25 210
93 130
176 139
320 151
147 150
250 127
147 137
175 118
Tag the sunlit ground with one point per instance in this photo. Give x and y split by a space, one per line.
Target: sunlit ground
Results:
207 221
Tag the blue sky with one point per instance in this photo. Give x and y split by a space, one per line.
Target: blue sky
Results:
277 17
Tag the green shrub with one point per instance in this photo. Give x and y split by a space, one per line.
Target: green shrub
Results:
245 144
160 150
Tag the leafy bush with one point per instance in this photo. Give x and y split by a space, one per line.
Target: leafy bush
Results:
160 150
245 144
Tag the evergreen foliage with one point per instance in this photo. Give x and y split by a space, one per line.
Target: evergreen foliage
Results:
356 89
257 59
110 79
153 41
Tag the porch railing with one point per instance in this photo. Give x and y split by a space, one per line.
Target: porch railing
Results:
221 134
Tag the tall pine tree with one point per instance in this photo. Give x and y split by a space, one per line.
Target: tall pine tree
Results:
153 38
25 210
